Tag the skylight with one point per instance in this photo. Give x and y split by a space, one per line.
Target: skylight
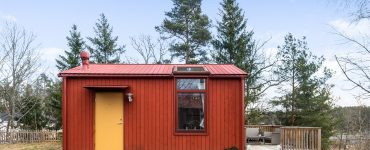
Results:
187 69
190 70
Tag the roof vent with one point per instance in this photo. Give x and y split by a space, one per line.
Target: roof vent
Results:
85 55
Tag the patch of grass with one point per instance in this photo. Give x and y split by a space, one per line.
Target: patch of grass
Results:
32 146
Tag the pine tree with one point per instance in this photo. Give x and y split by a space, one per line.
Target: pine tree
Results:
54 104
72 57
307 100
33 115
189 28
71 60
233 42
287 71
104 48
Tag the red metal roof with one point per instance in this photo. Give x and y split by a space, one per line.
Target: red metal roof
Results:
149 70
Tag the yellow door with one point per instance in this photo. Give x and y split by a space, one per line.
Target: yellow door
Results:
109 121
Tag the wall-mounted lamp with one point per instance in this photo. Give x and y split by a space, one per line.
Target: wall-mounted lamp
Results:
129 96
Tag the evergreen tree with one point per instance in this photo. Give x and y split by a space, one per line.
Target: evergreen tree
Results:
233 42
53 105
235 45
72 58
190 30
307 100
287 71
33 115
41 105
104 48
54 90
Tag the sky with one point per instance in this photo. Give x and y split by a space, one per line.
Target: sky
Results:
269 19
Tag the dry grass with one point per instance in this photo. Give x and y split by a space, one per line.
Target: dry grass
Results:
32 146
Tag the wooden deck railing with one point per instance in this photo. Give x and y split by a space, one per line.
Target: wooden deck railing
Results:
26 136
265 128
303 138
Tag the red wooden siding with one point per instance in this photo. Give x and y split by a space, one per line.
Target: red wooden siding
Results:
149 119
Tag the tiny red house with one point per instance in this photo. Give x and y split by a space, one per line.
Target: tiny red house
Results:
153 107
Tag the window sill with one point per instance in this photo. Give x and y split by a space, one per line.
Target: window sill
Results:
191 133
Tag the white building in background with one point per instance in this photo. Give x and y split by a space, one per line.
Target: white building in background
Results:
3 121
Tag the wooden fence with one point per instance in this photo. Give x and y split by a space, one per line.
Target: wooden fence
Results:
27 136
303 138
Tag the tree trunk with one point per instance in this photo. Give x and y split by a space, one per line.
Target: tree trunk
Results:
293 105
248 99
187 50
340 140
7 130
293 90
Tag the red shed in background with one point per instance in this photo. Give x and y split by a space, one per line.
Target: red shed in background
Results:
153 107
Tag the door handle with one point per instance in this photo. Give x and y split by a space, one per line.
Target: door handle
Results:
121 121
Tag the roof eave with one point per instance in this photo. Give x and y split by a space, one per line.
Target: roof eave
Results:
111 75
150 75
228 76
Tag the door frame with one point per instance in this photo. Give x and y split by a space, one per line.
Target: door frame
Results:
106 88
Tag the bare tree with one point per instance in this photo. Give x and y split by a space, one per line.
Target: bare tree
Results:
353 127
159 55
260 79
19 64
356 65
258 64
362 11
356 68
358 9
151 51
144 46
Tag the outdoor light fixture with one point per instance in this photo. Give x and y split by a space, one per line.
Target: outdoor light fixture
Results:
129 96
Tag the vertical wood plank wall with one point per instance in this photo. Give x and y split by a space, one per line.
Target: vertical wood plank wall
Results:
149 119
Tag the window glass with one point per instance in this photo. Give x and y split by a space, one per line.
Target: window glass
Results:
190 84
190 111
190 69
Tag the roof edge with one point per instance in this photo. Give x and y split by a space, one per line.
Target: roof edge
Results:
154 75
111 75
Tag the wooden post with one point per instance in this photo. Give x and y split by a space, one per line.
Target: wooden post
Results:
282 138
319 139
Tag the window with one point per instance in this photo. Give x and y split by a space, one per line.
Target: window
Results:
190 70
190 105
190 84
